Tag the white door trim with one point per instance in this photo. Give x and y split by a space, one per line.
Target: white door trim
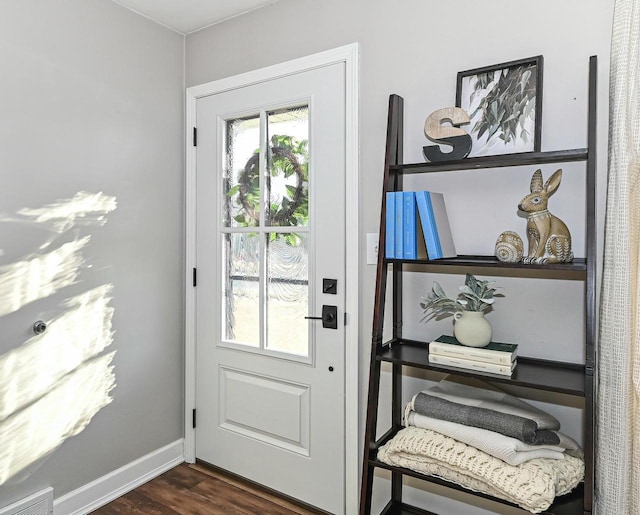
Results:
349 55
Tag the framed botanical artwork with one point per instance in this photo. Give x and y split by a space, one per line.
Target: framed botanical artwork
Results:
504 103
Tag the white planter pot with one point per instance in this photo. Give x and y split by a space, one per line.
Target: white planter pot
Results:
472 329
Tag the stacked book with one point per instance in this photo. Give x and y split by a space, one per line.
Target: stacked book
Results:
495 358
417 226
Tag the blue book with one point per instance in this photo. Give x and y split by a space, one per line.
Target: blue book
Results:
435 225
423 201
446 246
399 225
410 238
390 226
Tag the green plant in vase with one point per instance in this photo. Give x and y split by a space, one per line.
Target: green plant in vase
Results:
476 297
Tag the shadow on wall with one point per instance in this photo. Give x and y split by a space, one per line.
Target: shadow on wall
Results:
54 383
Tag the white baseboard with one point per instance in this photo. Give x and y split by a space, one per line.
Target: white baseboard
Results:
117 483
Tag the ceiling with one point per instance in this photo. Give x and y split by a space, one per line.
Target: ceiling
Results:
186 16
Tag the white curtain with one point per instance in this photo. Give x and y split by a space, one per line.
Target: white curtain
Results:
618 408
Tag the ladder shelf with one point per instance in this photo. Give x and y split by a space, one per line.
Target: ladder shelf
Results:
574 379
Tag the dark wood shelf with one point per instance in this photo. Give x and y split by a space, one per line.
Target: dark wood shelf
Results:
569 504
554 376
574 379
500 161
578 264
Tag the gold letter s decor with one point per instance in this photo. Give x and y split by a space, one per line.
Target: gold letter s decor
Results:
447 134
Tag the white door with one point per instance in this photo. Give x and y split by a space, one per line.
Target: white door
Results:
270 394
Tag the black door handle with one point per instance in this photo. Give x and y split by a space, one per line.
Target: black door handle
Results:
329 317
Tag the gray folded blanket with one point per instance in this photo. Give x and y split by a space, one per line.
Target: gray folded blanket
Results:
524 429
483 395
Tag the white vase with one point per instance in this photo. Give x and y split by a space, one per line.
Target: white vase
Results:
472 329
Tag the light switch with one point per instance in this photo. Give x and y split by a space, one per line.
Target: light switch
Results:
372 248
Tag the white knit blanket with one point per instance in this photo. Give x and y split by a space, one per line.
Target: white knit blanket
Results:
532 485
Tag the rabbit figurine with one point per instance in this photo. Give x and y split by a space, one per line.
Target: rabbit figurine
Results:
548 236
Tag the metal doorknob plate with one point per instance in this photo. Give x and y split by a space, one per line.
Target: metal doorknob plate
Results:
329 317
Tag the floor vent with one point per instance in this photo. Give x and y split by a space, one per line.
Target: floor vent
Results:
40 503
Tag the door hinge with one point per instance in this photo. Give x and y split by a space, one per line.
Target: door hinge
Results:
345 318
195 137
194 418
195 277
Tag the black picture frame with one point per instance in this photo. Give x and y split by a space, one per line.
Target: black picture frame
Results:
504 103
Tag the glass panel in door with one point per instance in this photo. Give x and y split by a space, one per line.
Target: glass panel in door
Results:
265 232
287 182
287 295
241 180
241 296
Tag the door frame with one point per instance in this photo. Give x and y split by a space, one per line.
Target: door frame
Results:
349 55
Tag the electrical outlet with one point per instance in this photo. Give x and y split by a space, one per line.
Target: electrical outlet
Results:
372 249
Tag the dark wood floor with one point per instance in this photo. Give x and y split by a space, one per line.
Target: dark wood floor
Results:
193 489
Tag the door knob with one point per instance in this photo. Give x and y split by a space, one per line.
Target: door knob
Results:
329 317
39 327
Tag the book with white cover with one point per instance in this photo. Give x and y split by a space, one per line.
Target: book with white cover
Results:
494 352
480 366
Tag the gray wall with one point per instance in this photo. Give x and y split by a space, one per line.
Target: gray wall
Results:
415 48
91 99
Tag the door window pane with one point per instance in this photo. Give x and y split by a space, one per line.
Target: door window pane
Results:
265 269
287 180
241 181
287 298
242 289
